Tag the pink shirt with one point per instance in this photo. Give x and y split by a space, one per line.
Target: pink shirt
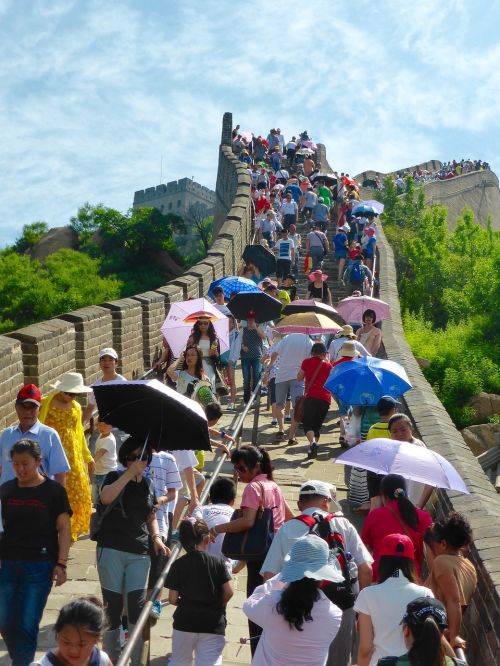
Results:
381 522
273 498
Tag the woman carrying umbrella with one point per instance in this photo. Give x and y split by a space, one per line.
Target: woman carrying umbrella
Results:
318 289
61 411
204 336
397 515
369 335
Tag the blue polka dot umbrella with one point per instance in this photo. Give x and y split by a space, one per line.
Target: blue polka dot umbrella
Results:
233 284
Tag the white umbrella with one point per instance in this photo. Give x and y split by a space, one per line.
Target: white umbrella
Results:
418 463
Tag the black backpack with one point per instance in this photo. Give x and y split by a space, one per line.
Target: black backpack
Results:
341 594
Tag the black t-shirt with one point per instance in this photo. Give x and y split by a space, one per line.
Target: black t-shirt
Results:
124 527
198 577
319 292
29 518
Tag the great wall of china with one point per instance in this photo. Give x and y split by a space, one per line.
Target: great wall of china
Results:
40 353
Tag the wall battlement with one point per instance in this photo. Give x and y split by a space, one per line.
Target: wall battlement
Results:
173 187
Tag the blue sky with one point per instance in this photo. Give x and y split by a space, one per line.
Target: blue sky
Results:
94 94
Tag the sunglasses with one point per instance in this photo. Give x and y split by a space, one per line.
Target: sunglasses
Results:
132 457
203 323
71 395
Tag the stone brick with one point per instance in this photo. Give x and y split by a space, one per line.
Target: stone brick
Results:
11 378
153 316
126 316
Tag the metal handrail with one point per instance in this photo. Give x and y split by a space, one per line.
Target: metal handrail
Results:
374 268
144 616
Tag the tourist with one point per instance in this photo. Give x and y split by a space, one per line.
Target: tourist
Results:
357 276
452 578
316 246
53 459
254 468
122 552
289 211
317 498
203 335
318 289
292 350
314 371
309 201
291 147
369 335
252 351
380 607
285 256
345 335
299 622
321 213
424 624
400 429
60 410
220 301
341 247
191 372
397 515
200 587
79 629
108 361
33 549
267 229
104 457
297 244
369 244
229 359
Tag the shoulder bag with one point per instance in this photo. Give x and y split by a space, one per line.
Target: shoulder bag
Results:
252 544
322 241
298 410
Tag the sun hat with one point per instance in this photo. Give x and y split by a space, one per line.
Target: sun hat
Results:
309 558
349 349
71 382
398 545
322 488
29 393
421 608
317 274
347 331
108 351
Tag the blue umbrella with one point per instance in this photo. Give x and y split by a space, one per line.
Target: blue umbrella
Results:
364 210
231 284
365 380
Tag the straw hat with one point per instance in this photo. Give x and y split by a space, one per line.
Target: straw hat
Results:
71 382
309 558
349 349
346 332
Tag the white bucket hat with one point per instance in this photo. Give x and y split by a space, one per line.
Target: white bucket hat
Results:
309 558
71 382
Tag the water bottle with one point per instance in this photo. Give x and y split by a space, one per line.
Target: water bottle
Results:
353 568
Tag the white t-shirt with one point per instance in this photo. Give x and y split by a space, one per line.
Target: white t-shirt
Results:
284 249
98 382
279 644
183 460
216 514
222 308
386 604
108 462
292 350
336 345
165 475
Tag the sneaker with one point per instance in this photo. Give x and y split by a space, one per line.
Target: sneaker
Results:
274 422
263 390
175 536
292 441
313 451
231 407
155 611
288 419
123 637
280 436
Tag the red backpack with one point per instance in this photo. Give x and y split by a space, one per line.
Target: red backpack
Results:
341 594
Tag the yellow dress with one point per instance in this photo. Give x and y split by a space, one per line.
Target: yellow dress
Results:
66 422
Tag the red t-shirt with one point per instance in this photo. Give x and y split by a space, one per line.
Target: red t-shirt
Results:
317 389
381 522
262 204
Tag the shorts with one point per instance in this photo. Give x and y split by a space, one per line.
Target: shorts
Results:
283 267
184 491
295 387
341 254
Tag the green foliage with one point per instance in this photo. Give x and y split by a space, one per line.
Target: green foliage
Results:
30 236
449 285
31 291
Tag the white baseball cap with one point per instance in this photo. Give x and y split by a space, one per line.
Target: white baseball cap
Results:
108 351
322 488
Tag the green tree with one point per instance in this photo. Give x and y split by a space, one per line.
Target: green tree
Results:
30 236
201 225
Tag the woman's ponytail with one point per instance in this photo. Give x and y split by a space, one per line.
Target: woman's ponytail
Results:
192 532
427 648
393 486
265 463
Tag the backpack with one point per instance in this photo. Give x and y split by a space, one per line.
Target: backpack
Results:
341 594
357 274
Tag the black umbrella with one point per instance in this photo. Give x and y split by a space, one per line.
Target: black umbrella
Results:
265 306
153 411
310 305
260 257
327 178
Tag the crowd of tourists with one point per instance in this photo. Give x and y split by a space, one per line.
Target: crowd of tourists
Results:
318 592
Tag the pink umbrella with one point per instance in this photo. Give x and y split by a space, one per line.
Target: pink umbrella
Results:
247 136
352 308
181 318
309 144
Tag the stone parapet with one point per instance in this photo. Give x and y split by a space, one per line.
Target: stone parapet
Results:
126 316
11 378
153 316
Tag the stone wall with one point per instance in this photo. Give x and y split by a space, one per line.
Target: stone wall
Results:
482 507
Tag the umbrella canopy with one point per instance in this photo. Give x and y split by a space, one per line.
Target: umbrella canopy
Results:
365 380
305 151
266 307
379 207
350 181
247 136
231 284
149 409
260 257
309 144
327 178
310 323
352 308
418 463
363 209
181 318
310 305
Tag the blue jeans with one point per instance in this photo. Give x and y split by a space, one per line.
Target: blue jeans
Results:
249 382
24 588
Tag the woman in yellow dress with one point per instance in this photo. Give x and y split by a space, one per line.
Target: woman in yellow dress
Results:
62 412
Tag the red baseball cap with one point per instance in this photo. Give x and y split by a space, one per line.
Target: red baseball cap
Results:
30 393
399 545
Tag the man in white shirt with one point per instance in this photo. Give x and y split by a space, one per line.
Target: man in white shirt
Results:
289 211
317 497
346 335
297 242
292 350
108 360
267 228
220 301
285 256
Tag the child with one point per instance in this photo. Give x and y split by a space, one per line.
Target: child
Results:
105 457
200 586
79 627
222 496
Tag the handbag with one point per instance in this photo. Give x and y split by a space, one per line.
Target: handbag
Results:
252 544
298 410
